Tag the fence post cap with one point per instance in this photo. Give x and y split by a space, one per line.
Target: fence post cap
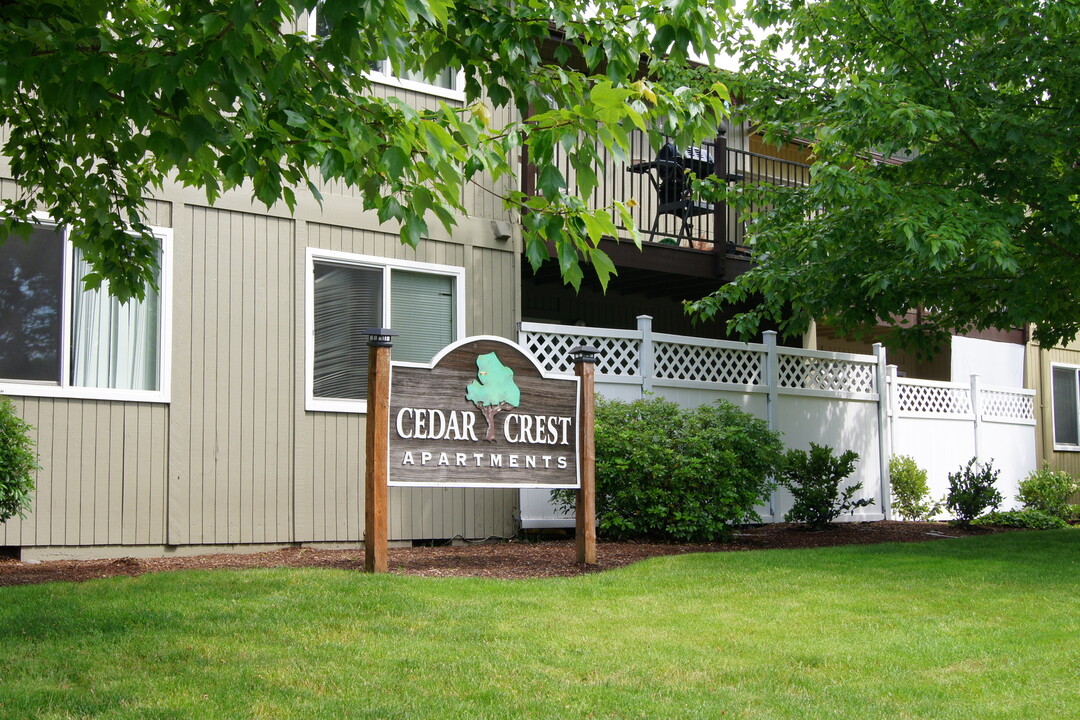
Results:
584 353
380 337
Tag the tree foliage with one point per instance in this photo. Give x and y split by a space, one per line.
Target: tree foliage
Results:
946 169
106 101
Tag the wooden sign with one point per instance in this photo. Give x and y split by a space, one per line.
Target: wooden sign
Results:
482 414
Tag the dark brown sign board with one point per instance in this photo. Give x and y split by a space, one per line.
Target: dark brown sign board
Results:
483 414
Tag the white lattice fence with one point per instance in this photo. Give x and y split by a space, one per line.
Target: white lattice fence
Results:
618 355
933 399
810 396
826 374
1007 405
701 363
672 358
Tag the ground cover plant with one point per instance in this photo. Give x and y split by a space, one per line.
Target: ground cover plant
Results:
669 473
979 627
1028 518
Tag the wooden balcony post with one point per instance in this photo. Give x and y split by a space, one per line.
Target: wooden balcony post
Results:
720 208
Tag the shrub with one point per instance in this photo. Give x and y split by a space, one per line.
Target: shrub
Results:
685 475
814 481
18 461
1048 491
910 491
1028 518
1072 513
972 491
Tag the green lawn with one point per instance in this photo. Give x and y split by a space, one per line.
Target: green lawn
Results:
977 629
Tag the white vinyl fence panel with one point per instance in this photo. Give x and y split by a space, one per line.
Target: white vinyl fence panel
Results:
833 399
942 426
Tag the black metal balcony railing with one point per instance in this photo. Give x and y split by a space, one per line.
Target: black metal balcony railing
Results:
666 213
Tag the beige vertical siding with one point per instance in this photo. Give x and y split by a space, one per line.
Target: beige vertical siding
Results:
102 479
159 213
492 296
234 457
231 442
1037 369
329 476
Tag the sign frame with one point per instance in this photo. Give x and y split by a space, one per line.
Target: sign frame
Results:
400 368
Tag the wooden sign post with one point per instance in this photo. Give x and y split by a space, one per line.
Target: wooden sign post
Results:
585 510
378 429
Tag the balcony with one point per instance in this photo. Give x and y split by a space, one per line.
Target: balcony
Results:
691 240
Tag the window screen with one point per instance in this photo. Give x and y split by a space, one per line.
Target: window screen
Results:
31 306
1066 431
348 301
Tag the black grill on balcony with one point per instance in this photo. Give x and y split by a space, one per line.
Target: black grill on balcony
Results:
671 175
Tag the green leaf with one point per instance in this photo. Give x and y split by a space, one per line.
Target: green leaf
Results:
603 266
395 160
551 183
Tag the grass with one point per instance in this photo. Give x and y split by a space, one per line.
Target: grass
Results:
976 628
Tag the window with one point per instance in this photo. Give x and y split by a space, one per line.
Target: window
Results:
1066 417
448 84
60 340
348 294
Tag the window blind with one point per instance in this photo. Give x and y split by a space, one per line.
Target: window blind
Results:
422 313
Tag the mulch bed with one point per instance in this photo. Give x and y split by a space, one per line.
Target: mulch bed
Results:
530 558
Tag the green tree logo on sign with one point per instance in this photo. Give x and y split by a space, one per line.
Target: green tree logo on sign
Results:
493 390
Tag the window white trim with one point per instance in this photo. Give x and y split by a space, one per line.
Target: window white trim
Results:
1060 447
457 93
386 265
65 389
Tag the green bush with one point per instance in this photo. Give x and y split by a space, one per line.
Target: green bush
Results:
18 461
1072 513
1028 518
1048 491
910 491
814 481
972 491
684 475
